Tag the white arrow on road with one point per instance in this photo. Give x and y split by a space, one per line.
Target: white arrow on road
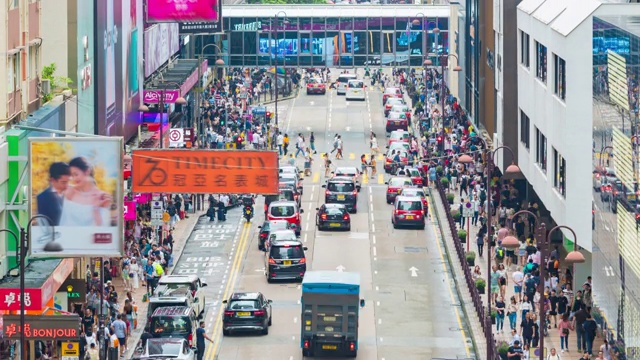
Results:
340 268
260 270
414 271
312 103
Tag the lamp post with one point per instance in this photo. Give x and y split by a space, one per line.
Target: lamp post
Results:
22 245
275 76
219 62
511 169
543 242
163 91
443 58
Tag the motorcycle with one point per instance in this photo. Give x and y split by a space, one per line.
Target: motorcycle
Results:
248 213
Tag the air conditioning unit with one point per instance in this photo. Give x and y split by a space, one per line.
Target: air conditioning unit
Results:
3 266
46 86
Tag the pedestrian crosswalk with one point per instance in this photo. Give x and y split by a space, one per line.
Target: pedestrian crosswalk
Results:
378 178
352 156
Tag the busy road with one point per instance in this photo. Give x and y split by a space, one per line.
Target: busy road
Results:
411 309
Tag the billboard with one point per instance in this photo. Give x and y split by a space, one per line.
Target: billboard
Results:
85 72
182 11
153 96
77 184
205 171
160 42
118 71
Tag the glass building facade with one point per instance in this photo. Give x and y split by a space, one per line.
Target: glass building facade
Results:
332 41
616 222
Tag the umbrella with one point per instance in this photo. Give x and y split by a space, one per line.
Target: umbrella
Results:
280 70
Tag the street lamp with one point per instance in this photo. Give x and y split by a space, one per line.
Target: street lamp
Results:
180 101
457 68
275 75
219 62
22 245
511 169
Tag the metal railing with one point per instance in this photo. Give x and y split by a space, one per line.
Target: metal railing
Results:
473 291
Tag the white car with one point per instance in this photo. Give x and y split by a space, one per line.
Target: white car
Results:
343 80
350 171
356 90
166 348
194 284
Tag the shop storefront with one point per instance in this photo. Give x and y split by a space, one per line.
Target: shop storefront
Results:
56 335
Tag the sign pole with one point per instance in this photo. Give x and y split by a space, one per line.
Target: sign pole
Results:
468 235
23 260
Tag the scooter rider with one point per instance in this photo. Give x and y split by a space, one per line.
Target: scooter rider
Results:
248 201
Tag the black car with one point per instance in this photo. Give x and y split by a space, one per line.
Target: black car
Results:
333 216
342 190
285 260
245 311
267 227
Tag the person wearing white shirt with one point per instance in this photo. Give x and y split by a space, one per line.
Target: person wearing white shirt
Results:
515 337
280 142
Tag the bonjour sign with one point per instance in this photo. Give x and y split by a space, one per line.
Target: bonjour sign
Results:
54 327
205 171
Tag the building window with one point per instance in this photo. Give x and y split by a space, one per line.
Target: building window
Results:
525 132
559 173
559 76
541 150
524 49
13 73
541 62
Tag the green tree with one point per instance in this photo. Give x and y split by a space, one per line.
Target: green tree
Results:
56 82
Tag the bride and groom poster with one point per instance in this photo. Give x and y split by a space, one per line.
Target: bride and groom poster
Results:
76 196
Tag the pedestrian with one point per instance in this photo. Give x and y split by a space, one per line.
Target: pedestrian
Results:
373 144
340 148
579 318
372 164
527 329
553 355
120 330
590 328
512 313
308 160
134 270
201 335
564 328
500 312
480 243
312 143
327 165
126 279
285 144
605 350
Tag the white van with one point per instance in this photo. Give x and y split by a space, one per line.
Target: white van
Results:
355 90
342 82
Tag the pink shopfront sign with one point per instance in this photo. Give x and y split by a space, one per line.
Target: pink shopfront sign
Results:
129 211
192 80
182 10
153 96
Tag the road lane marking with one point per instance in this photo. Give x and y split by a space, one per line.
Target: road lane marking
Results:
377 303
373 226
377 288
295 320
444 267
309 214
380 179
373 239
375 251
379 321
216 335
305 237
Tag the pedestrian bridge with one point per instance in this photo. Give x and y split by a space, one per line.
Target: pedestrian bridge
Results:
333 35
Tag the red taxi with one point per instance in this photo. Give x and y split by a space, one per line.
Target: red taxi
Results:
403 109
395 186
397 121
316 86
391 92
413 173
399 135
419 193
389 166
390 103
408 211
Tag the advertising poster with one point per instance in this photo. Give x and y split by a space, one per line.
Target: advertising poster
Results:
182 11
77 184
132 60
85 58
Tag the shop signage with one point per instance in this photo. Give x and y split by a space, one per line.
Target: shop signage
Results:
129 211
200 27
178 10
70 348
54 327
36 299
252 26
153 96
76 290
176 138
161 41
205 171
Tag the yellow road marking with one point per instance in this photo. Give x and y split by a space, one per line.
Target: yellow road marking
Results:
365 178
380 156
316 177
444 267
352 156
322 154
235 269
380 178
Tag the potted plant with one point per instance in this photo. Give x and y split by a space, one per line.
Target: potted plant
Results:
445 182
450 198
439 170
493 316
462 235
481 285
503 349
471 258
456 215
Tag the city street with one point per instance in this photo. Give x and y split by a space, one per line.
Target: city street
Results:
412 310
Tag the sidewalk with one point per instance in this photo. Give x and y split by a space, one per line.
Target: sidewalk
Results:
551 341
181 233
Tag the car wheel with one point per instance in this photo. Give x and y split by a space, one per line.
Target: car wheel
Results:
265 330
226 332
422 227
395 226
268 275
270 321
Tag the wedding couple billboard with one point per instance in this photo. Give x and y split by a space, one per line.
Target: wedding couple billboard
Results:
76 197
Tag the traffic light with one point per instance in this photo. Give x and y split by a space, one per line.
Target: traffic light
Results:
440 143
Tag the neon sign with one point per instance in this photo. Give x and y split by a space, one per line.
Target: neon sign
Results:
56 327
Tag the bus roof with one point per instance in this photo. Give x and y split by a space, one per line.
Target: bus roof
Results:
331 282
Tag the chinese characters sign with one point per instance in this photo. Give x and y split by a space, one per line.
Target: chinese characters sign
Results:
10 299
205 171
59 327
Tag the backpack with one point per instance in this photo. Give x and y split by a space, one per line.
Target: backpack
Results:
159 269
483 195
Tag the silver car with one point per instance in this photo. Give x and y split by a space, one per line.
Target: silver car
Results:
166 348
350 171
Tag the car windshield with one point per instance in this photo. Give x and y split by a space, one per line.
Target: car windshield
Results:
344 79
282 211
340 187
356 84
394 101
413 192
168 325
289 235
243 304
414 172
333 211
396 135
164 348
313 81
399 145
288 181
399 108
399 182
287 252
276 226
397 115
286 195
409 205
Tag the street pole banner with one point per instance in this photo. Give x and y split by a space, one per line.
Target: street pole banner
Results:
76 197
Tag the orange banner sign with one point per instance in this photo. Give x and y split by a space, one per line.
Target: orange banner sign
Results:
205 171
